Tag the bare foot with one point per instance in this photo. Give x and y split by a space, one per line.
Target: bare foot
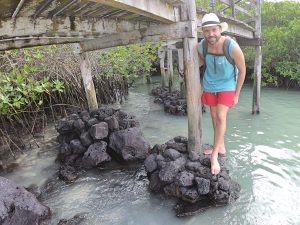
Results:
215 166
209 151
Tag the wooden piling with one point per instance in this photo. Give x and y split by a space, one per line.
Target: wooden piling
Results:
162 55
257 63
170 68
192 78
181 71
86 73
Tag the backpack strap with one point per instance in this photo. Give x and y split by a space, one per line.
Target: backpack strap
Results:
204 53
227 54
205 47
225 51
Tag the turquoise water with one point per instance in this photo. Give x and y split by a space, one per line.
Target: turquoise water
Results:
263 156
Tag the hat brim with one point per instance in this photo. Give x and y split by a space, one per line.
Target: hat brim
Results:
223 25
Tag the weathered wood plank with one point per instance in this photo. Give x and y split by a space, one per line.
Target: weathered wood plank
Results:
86 73
42 7
63 8
250 42
162 56
181 71
174 2
17 43
65 26
170 68
152 33
18 9
192 78
154 9
258 62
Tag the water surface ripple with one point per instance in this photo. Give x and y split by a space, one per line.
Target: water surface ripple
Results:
263 156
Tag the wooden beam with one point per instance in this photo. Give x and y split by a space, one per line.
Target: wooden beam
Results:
149 34
82 9
154 9
250 42
179 45
64 7
192 78
228 3
65 26
18 9
42 7
146 33
86 73
174 2
249 20
236 30
18 43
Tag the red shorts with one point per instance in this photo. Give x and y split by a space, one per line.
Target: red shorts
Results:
215 98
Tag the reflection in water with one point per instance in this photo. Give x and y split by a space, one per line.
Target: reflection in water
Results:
263 156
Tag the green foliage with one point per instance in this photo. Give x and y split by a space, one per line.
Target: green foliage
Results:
131 61
22 85
204 4
281 52
19 93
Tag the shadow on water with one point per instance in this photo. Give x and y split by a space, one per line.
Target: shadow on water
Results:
263 156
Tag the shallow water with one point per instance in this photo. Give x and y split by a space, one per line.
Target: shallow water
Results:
263 156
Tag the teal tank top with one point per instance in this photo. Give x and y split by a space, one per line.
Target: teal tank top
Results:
219 74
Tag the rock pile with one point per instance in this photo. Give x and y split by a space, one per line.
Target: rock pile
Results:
172 101
172 170
89 140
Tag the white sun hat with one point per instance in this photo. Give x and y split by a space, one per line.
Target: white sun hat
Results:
211 19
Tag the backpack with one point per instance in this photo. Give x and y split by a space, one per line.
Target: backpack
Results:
225 51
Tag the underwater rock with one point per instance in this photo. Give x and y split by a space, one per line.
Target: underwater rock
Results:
68 173
76 220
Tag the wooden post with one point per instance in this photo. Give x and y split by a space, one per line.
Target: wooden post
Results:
212 6
162 55
192 78
257 63
181 71
232 4
170 68
86 73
